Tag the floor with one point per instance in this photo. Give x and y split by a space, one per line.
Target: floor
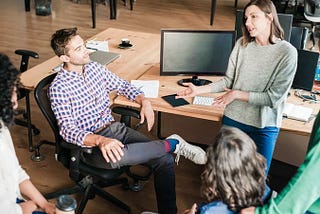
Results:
26 30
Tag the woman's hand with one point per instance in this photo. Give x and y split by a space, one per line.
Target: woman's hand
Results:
229 97
192 210
28 207
49 208
249 210
190 91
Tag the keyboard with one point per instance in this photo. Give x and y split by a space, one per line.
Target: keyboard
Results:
202 100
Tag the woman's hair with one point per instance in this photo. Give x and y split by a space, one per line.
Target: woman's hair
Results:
267 7
235 171
8 81
60 39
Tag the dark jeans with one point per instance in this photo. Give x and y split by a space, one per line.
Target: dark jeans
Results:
265 138
140 150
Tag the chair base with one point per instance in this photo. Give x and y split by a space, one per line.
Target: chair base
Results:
89 189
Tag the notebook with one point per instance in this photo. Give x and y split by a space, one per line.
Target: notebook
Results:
103 57
173 101
297 112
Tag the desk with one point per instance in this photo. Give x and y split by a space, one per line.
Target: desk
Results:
142 62
168 85
131 64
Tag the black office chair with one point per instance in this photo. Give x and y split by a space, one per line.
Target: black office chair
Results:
299 37
113 9
24 93
89 180
284 19
312 14
126 115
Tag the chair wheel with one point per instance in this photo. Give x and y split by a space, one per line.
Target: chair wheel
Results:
35 131
136 187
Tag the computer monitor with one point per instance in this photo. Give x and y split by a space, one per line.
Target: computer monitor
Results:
305 74
195 53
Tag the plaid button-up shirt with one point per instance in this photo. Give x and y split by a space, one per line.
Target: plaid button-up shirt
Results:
81 102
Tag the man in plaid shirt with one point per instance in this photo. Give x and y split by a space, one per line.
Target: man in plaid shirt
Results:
80 100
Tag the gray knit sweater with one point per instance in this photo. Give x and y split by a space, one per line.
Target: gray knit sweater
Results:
266 72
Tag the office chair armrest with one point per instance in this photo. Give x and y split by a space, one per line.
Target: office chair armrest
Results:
23 52
74 162
125 111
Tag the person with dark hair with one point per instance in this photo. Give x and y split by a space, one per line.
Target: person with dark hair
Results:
234 175
260 73
14 181
302 193
80 100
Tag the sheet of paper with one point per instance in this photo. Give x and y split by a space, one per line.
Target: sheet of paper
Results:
297 112
150 88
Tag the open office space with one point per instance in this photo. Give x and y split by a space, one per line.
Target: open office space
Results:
142 25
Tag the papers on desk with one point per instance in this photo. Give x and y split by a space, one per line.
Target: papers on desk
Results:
97 45
297 112
150 88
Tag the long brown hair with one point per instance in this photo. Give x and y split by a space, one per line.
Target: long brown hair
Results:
268 8
235 171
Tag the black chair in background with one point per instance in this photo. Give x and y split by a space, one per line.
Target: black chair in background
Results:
24 93
89 180
113 9
312 14
284 19
299 36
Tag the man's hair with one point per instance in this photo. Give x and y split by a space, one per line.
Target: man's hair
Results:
61 38
267 7
235 171
8 80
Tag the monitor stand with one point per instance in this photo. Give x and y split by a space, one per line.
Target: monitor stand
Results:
195 81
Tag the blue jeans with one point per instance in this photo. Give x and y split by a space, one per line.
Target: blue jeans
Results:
265 138
139 149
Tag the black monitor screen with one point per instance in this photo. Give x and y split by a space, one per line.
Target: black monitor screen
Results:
195 52
305 74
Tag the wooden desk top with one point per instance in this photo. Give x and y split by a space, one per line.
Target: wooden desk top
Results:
168 85
131 64
142 62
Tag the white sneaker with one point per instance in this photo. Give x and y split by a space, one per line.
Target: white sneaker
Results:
191 152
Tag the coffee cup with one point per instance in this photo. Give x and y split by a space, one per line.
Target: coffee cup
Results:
125 41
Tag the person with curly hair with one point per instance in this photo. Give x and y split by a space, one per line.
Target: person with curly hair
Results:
302 193
14 181
234 175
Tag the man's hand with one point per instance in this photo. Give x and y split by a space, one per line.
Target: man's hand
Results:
192 210
111 149
146 112
249 210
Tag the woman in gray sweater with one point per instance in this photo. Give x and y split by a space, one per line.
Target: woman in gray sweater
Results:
258 78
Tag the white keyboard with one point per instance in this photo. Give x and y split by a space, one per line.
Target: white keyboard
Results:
202 100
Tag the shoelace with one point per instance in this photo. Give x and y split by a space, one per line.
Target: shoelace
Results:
187 153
